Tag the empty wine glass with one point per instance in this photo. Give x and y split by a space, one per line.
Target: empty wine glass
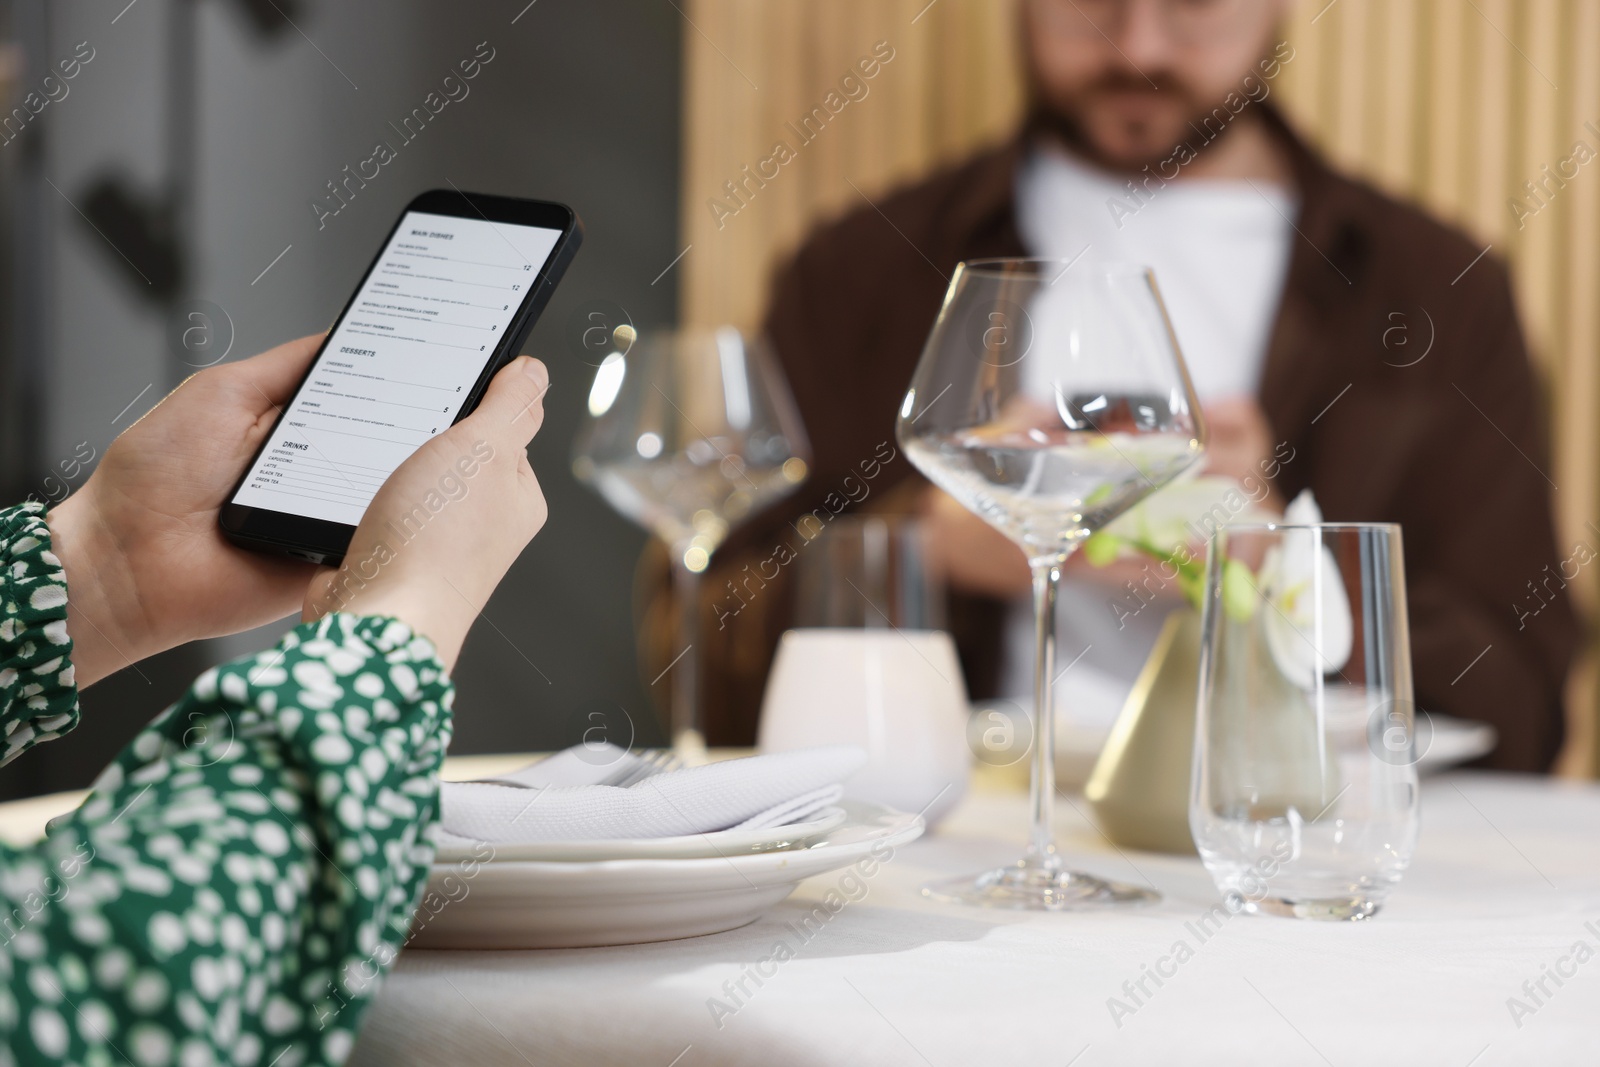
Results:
1049 399
690 433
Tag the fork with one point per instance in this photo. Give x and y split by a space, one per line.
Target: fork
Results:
647 764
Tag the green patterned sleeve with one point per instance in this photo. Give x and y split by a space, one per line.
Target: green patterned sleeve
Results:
38 699
242 876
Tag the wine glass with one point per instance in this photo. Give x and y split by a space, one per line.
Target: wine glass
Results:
690 433
1049 399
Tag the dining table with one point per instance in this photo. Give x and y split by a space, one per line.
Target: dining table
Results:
1487 952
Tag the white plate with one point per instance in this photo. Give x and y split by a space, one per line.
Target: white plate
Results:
1453 741
689 846
516 904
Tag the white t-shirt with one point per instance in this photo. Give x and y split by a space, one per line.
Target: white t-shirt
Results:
1220 250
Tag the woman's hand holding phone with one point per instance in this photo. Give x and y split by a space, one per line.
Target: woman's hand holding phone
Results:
448 300
449 522
151 543
147 566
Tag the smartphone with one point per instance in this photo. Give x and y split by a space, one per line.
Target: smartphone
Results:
449 300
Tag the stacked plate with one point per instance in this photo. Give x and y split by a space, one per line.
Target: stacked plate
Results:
574 893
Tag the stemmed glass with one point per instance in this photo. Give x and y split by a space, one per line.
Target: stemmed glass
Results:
690 433
1049 399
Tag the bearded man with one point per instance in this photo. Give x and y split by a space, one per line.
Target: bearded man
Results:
1339 340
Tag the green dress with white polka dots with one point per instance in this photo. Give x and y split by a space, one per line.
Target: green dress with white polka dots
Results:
242 876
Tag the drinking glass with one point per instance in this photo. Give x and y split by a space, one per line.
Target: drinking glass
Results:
690 433
1304 791
869 663
1050 398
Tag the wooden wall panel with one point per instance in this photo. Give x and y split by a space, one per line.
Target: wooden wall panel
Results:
950 86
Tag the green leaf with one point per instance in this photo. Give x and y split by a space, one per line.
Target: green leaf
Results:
1238 591
1101 548
1099 495
1192 582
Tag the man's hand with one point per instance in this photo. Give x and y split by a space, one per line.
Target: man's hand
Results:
968 553
973 557
1240 446
147 565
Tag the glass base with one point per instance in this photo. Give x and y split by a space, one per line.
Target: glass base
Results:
1031 886
690 748
1324 909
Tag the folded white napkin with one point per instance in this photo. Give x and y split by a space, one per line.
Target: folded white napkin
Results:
557 799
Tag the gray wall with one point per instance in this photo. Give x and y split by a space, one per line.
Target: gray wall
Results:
580 104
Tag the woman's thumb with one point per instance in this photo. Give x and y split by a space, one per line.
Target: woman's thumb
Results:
513 407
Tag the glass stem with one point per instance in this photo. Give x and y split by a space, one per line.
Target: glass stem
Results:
684 715
1042 846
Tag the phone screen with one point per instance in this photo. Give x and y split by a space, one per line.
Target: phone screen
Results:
399 364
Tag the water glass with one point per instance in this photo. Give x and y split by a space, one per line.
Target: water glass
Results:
1304 792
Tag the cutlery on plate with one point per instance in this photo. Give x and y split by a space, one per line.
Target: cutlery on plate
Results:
646 764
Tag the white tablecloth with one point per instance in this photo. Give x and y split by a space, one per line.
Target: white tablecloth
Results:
1506 877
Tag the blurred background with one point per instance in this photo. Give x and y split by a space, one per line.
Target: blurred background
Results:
178 175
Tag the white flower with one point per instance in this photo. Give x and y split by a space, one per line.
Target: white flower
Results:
1308 626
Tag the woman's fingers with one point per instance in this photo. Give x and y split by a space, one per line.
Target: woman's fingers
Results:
513 408
430 549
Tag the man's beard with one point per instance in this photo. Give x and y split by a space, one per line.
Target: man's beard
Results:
1064 122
